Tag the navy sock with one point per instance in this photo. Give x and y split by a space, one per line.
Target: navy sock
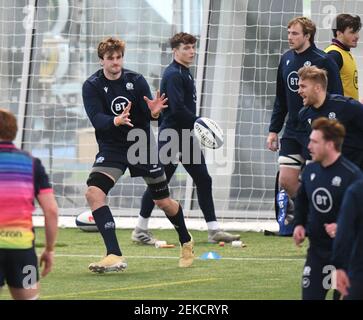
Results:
179 225
106 226
147 204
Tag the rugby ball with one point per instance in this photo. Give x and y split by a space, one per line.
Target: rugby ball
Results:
86 222
208 132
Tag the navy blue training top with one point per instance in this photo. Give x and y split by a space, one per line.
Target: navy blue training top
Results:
178 85
288 101
105 99
319 198
348 243
347 110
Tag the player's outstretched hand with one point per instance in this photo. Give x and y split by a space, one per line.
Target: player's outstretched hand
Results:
157 104
124 117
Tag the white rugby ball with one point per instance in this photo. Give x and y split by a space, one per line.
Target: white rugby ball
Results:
86 222
208 132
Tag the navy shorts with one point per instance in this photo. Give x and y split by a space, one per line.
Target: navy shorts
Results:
355 292
316 279
18 267
294 145
115 165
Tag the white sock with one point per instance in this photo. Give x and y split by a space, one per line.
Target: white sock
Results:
213 225
143 223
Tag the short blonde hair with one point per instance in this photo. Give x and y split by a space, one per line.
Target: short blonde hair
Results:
315 74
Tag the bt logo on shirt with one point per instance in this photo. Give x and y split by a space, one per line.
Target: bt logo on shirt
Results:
293 81
119 104
322 200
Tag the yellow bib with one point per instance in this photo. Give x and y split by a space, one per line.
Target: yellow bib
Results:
348 72
16 238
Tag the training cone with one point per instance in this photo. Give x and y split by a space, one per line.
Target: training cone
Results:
210 255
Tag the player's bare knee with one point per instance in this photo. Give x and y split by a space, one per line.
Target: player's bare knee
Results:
95 198
290 168
91 194
162 203
288 182
169 206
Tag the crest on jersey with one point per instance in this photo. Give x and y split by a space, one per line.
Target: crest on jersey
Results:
129 86
106 89
119 104
100 159
309 121
307 63
336 182
312 176
332 115
287 62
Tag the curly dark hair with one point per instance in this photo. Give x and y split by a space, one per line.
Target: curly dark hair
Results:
344 21
109 46
182 38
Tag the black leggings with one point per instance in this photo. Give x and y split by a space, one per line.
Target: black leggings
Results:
203 182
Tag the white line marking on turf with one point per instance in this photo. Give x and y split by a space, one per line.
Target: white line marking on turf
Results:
163 257
147 286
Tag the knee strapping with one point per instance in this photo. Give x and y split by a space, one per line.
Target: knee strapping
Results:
292 161
101 181
159 190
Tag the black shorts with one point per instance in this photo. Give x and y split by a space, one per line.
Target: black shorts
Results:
120 161
317 273
355 292
18 267
115 165
294 145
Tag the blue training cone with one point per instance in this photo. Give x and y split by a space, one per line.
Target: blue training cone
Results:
211 255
